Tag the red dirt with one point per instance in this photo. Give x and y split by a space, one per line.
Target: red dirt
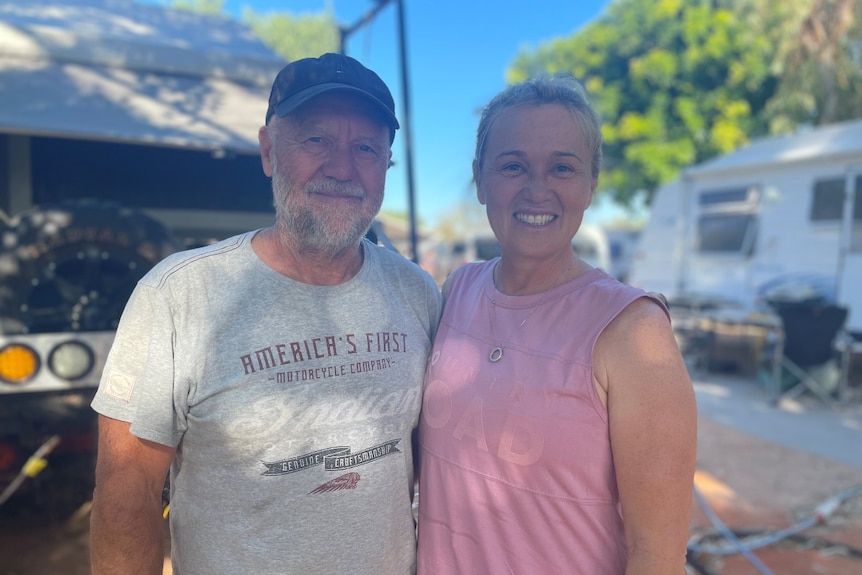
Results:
751 484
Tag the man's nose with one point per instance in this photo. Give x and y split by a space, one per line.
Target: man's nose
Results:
339 163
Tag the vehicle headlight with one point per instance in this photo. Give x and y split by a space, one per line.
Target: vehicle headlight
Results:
71 360
18 363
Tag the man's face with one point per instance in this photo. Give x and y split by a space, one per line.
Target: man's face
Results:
328 162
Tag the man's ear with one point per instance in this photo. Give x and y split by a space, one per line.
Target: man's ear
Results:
265 141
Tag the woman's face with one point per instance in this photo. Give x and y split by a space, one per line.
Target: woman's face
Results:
535 180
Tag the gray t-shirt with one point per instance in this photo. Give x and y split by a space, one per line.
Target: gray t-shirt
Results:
292 407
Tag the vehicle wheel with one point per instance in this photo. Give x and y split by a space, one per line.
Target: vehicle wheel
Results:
7 294
72 266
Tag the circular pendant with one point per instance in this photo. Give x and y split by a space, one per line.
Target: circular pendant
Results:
496 354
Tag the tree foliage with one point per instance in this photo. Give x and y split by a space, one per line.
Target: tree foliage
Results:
463 218
289 35
820 65
677 82
293 36
201 6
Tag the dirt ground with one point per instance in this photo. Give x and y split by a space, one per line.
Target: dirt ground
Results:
752 485
756 487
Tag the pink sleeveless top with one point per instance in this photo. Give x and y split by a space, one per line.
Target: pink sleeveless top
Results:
516 473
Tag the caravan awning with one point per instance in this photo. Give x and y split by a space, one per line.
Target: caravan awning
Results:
827 142
40 97
122 71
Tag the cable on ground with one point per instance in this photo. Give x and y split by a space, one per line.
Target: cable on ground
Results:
33 466
748 542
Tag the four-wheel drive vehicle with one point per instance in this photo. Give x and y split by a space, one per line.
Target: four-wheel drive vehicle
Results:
127 131
67 270
119 144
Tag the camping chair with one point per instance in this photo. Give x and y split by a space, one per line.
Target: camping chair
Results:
811 356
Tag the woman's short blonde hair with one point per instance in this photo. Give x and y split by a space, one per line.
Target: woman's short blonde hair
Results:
560 89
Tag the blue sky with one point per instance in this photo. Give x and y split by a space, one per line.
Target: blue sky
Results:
458 52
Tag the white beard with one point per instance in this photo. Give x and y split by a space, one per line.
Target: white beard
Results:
340 229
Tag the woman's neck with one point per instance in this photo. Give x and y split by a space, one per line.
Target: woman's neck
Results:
530 276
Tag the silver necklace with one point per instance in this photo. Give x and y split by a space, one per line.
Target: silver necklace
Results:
497 353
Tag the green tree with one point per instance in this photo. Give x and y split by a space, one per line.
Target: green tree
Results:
680 81
674 81
462 220
294 36
820 64
291 36
202 6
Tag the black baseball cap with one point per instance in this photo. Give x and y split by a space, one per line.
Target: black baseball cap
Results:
304 79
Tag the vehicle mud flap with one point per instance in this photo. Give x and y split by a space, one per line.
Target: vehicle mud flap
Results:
71 266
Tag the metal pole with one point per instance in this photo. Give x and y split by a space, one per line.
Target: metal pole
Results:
367 18
405 125
344 33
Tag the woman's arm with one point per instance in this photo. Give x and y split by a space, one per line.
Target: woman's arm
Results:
653 429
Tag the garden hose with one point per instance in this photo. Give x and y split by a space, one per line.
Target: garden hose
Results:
747 544
34 465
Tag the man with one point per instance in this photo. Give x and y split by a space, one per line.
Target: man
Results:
278 373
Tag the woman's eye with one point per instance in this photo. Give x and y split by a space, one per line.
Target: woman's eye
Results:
563 169
513 168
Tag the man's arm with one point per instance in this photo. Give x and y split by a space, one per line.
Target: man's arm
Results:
653 429
126 525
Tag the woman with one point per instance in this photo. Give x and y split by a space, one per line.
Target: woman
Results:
558 431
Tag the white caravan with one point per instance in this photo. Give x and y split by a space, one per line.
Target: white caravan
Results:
779 208
590 243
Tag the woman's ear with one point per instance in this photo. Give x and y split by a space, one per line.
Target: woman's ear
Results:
592 192
480 193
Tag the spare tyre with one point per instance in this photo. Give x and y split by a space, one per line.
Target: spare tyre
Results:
7 266
72 266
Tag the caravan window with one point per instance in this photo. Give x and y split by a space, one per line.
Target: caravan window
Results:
728 220
827 201
726 233
731 196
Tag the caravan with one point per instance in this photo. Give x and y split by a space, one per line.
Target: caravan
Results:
590 243
783 207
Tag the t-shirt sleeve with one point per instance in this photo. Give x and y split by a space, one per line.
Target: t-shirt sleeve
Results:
434 300
138 383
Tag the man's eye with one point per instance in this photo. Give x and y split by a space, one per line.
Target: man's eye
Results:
365 148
